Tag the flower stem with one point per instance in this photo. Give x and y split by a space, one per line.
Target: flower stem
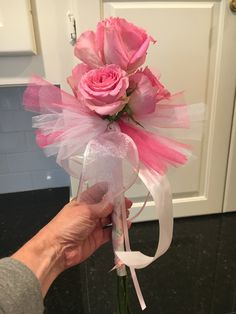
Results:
122 293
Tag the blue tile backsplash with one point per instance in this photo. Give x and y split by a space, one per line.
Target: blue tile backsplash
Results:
23 166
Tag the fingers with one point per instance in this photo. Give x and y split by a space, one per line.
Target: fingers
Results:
129 223
108 220
128 203
102 209
94 194
101 235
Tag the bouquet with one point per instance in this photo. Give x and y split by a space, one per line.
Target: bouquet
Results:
116 124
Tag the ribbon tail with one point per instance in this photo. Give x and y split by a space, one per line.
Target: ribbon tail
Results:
127 247
141 209
159 188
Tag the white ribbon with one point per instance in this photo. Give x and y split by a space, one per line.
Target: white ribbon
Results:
159 188
103 159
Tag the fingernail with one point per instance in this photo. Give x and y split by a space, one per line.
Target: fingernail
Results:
129 203
129 223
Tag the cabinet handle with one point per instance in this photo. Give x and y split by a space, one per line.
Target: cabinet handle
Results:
233 6
71 26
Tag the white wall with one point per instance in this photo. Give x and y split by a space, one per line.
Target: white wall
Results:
23 165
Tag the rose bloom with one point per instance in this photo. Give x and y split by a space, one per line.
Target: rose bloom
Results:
77 73
102 90
145 91
116 41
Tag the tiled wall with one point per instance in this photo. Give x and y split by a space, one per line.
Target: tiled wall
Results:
23 166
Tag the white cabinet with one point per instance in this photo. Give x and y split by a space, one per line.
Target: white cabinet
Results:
54 58
16 28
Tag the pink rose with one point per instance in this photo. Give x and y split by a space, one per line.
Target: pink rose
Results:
104 89
116 41
145 91
162 92
77 73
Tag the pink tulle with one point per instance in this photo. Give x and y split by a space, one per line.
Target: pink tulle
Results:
65 126
43 97
156 151
44 140
171 112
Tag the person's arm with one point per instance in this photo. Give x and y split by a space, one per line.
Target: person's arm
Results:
67 240
72 236
43 256
20 290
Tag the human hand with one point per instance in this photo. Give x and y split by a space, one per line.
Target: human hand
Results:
79 228
70 237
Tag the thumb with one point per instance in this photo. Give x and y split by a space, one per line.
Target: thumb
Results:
94 194
102 209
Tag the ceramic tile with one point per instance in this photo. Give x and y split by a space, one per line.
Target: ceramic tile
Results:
3 164
11 121
56 178
30 161
12 142
10 97
15 182
31 143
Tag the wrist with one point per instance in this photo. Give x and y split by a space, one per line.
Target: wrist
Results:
44 256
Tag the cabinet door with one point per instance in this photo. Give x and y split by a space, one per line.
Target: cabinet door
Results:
54 58
16 28
192 54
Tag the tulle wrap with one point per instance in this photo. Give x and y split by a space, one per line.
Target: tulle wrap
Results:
117 153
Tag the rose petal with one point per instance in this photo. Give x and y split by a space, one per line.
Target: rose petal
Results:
162 92
86 49
100 40
140 55
143 98
114 51
107 109
104 89
78 71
